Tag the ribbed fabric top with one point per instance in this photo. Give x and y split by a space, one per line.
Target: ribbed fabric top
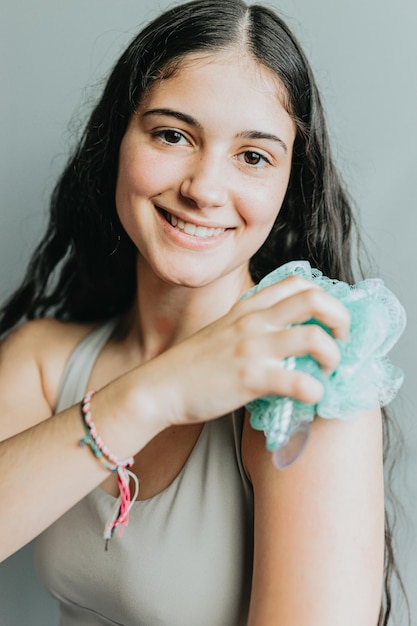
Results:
185 558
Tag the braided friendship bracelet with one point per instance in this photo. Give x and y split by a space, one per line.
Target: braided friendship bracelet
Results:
120 514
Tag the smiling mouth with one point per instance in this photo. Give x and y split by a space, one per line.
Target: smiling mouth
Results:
192 229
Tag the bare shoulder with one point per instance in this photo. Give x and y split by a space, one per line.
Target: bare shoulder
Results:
32 360
332 442
44 332
42 340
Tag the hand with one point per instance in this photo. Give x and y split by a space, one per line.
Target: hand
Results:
239 357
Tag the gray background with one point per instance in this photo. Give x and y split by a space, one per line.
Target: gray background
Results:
54 55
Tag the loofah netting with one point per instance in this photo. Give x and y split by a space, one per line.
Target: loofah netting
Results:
365 375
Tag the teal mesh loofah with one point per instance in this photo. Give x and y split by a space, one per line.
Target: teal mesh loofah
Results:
364 376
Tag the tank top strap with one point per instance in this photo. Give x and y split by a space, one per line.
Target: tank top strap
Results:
80 364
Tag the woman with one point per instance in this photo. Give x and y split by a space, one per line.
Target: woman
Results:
204 166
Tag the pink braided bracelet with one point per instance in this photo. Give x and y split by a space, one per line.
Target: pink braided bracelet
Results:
120 513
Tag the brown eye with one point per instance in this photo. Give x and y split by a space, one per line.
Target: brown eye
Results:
172 136
254 158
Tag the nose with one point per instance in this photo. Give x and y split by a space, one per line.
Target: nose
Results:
205 183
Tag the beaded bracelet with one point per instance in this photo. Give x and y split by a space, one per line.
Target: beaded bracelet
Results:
120 513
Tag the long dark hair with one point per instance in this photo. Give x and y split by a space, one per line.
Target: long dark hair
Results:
73 274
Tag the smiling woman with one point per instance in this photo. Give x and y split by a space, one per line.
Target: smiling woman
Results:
188 169
207 160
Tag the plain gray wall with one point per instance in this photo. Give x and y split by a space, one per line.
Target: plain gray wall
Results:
53 55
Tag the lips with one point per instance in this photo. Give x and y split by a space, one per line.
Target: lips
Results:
194 230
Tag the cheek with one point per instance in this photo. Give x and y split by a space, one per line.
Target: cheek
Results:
263 203
137 176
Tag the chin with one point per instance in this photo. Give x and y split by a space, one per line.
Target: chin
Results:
191 282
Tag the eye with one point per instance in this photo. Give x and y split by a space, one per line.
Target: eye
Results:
170 136
254 159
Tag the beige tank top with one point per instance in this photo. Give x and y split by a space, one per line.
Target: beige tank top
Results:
185 558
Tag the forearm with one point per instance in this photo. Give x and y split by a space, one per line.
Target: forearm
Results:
45 471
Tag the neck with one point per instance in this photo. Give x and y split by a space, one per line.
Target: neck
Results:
165 314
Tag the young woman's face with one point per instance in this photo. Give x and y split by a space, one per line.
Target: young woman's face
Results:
203 169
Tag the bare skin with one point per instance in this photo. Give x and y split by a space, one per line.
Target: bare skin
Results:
33 358
189 352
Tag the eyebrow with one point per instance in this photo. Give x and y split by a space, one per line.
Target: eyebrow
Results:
258 134
177 114
188 119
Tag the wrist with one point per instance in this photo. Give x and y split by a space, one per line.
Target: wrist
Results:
126 415
143 406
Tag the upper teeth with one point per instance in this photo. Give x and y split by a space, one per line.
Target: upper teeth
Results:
192 229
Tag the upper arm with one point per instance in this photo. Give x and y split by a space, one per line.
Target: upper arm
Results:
32 359
319 527
22 399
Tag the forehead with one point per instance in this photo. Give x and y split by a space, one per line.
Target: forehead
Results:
219 76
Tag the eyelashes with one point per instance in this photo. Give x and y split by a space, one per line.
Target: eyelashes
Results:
173 137
254 159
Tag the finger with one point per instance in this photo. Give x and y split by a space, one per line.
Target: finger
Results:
309 340
262 351
276 293
312 304
260 361
294 384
